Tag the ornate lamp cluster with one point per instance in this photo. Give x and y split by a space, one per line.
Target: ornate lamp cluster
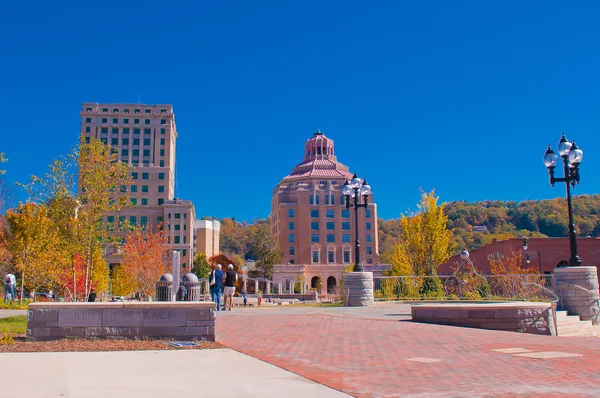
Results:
572 157
355 189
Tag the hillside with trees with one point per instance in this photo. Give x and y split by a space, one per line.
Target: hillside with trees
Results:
477 224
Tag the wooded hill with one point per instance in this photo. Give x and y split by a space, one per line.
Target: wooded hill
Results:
477 224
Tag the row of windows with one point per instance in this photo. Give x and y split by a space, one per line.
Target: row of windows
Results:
125 121
330 225
145 176
329 213
134 188
125 131
135 141
125 110
330 238
136 152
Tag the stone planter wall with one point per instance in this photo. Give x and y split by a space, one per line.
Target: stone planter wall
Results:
533 318
578 291
131 320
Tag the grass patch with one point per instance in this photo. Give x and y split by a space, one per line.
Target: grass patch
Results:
13 305
13 324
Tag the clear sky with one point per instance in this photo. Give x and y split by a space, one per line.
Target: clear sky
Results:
460 96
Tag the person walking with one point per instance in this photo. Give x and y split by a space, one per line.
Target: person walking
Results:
216 285
230 279
9 286
245 296
92 296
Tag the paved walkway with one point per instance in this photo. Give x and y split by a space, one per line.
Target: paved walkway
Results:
9 313
377 353
150 374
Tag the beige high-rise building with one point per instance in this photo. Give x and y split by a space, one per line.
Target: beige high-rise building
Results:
206 239
145 137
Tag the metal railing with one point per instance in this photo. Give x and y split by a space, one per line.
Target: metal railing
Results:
467 286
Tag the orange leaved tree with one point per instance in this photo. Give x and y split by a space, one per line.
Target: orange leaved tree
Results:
145 258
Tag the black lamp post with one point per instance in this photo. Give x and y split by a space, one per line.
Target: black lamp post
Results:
571 156
528 259
355 189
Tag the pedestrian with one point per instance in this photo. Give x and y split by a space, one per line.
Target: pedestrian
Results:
216 285
92 296
245 296
230 279
10 283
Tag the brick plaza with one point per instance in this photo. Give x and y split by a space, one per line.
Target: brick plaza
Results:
379 352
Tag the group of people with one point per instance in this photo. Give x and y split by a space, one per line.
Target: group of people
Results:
222 283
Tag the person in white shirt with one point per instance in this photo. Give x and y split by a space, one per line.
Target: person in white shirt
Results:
9 287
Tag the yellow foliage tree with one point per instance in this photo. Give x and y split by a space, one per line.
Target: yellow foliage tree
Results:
122 283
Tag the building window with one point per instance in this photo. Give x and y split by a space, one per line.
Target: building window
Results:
162 131
161 176
292 251
315 257
147 111
87 130
292 261
110 220
368 226
144 188
368 213
291 226
134 176
291 238
104 130
162 163
346 256
146 121
136 141
144 176
369 250
314 238
136 111
345 213
146 131
114 141
132 221
88 119
326 199
330 238
314 225
314 199
177 227
126 131
162 141
345 226
123 188
161 188
104 110
291 213
87 140
332 199
144 201
135 152
345 238
314 213
184 252
125 121
104 120
125 152
177 239
125 141
136 131
331 226
162 152
133 201
369 261
330 213
133 188
161 201
159 219
115 121
146 152
369 238
163 121
136 121
126 110
177 215
331 256
115 130
147 141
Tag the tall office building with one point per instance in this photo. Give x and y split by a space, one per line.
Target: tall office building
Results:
145 137
309 220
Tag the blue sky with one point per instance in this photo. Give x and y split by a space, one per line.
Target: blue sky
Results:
459 96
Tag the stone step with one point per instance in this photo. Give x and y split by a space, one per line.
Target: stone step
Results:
561 313
589 332
567 320
574 327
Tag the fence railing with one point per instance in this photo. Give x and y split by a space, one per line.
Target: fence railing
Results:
517 287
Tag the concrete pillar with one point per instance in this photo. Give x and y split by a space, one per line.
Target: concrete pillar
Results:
255 286
578 291
207 286
358 289
245 285
279 288
268 287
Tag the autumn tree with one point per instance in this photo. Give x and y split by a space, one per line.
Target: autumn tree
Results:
32 240
102 180
201 267
265 249
123 284
145 258
224 260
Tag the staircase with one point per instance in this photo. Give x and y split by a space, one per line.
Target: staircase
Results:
572 326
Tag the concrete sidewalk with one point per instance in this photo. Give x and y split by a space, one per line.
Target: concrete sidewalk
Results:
149 374
9 313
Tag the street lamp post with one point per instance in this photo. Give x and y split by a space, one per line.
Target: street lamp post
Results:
528 259
355 189
571 156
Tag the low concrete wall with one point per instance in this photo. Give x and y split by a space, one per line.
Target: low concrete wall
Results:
533 318
129 320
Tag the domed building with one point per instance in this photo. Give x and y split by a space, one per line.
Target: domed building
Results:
314 230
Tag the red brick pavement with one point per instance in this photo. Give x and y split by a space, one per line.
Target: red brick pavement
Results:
369 357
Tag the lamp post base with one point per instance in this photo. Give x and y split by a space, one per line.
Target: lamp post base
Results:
578 291
358 289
